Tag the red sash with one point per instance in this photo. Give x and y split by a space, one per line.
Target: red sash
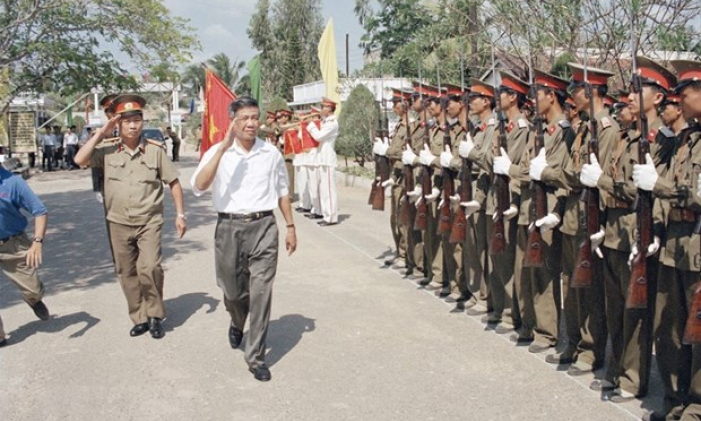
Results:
308 141
293 145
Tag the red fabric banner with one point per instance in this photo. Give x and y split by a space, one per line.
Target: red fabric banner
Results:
215 121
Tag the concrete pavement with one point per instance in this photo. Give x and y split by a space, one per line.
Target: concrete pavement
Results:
348 340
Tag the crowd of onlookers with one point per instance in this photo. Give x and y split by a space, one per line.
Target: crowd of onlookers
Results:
58 147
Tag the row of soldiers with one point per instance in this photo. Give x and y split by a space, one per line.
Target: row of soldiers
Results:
487 205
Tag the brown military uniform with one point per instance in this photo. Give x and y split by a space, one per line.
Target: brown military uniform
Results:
394 153
584 308
134 203
535 286
680 264
629 328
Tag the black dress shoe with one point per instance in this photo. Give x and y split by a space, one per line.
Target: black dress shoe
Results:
235 336
444 292
3 342
139 329
425 281
521 340
156 328
40 310
261 373
302 210
314 216
326 224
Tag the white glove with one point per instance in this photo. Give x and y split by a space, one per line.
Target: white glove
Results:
502 163
466 146
99 198
441 203
426 157
388 182
547 222
510 213
415 194
596 240
591 172
446 158
538 165
433 196
310 125
651 249
408 156
454 199
380 146
645 175
470 207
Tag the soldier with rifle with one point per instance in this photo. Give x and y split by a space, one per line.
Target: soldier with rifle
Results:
628 227
425 192
393 152
676 327
449 208
538 253
507 148
472 150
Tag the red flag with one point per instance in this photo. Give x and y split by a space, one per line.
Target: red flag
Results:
215 121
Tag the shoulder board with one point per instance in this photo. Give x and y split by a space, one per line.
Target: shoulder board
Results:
111 139
667 132
491 122
605 122
412 119
564 124
522 123
156 143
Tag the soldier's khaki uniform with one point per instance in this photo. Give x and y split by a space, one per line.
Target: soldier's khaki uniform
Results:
629 328
584 308
501 276
418 133
535 286
680 264
444 266
399 233
134 202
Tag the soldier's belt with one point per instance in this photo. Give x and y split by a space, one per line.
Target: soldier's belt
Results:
575 192
613 203
682 215
245 217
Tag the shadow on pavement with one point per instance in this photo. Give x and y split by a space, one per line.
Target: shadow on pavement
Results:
77 254
55 324
284 334
179 309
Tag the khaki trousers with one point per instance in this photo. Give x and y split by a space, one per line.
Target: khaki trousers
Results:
584 308
137 260
679 364
534 288
246 263
13 262
629 328
399 232
501 277
290 178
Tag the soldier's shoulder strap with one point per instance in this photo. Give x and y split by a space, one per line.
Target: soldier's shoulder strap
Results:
155 142
666 132
564 123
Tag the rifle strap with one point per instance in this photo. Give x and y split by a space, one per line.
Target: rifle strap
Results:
577 146
617 155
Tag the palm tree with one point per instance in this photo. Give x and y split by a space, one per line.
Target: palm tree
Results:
192 79
229 72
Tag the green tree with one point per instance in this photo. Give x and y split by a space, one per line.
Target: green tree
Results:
287 34
357 123
60 45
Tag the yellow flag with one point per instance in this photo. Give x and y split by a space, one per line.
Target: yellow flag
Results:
329 66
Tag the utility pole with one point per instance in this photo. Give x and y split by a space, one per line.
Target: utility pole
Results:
347 64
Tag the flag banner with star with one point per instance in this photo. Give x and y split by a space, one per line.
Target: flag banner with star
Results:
215 120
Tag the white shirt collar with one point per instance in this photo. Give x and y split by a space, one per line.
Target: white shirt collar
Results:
258 147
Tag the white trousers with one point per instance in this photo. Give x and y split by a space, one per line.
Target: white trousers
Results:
310 198
328 197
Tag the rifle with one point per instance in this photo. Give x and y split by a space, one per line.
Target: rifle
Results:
585 267
534 246
377 193
458 230
448 187
692 330
407 212
638 284
500 182
421 222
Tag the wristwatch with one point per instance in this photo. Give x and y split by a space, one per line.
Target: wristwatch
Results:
38 239
182 215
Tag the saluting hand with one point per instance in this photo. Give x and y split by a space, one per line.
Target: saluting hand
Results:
108 128
229 137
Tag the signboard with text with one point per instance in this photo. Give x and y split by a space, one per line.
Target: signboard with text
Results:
23 133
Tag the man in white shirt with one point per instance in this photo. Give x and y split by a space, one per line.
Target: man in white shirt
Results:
48 143
70 141
324 178
249 180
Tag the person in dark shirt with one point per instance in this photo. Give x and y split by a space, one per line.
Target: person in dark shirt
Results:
20 256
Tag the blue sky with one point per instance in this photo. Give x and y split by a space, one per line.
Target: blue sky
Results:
221 27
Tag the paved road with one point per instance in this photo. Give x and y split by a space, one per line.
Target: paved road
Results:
348 340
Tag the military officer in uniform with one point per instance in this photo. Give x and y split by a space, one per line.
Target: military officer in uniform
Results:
680 254
135 170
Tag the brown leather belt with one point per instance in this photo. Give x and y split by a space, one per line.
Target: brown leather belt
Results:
246 217
613 203
682 215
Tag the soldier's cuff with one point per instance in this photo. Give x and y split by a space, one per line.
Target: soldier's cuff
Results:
605 183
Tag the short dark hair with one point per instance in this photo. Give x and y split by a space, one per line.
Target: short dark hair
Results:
559 95
168 128
241 102
73 127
